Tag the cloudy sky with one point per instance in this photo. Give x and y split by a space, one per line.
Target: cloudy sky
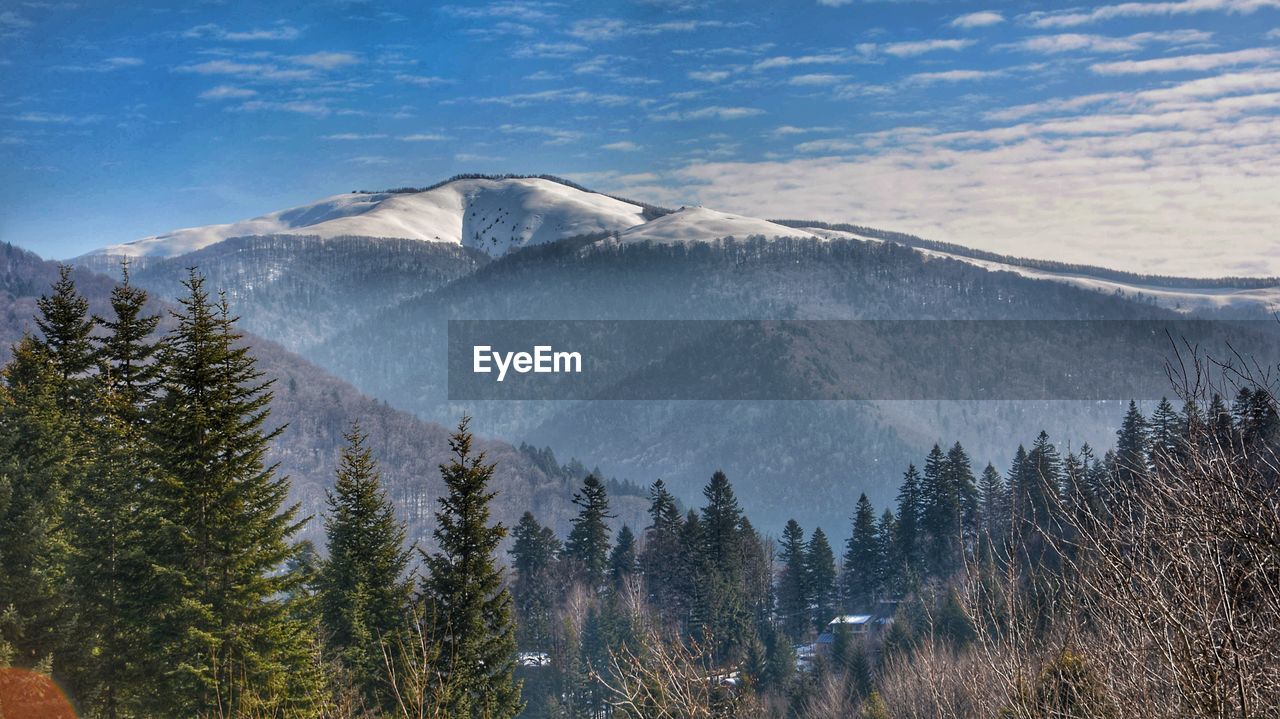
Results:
1139 135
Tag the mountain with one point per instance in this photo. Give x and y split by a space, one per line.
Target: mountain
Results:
316 408
491 215
375 311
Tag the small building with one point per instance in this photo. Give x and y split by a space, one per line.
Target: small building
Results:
857 623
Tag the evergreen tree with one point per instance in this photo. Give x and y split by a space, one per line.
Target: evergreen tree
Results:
887 546
464 592
821 563
364 590
622 560
794 593
691 573
661 549
993 507
225 636
1132 451
126 354
66 327
720 520
862 558
963 485
38 441
1165 435
726 617
909 521
941 513
533 554
588 545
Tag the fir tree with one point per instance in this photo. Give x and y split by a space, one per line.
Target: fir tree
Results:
66 327
464 592
1132 451
126 354
661 549
1165 435
588 545
862 558
533 554
364 592
622 560
794 593
226 636
887 545
993 507
821 563
909 520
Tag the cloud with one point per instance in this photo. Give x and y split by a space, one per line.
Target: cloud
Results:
1072 42
602 29
715 111
326 60
423 137
108 65
787 61
260 71
1074 18
217 32
984 18
815 79
835 3
12 23
524 11
622 146
833 146
54 118
783 130
354 136
554 135
911 49
227 92
573 96
929 78
1187 63
423 80
549 50
301 107
709 75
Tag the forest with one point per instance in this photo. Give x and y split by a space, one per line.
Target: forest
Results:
151 566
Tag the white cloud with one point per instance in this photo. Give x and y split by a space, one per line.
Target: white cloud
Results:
918 47
787 61
622 146
423 80
326 60
549 50
709 75
525 11
1074 18
217 32
1187 63
554 135
262 71
423 137
574 96
813 79
828 146
715 111
929 78
227 92
110 64
55 118
835 3
11 22
301 107
783 130
1072 42
984 18
354 136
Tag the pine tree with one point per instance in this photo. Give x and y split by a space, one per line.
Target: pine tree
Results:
588 545
794 593
126 354
862 558
364 591
720 519
533 554
38 458
1132 451
909 520
464 592
226 634
622 560
886 554
964 487
1164 435
821 563
993 507
941 513
66 327
726 617
661 550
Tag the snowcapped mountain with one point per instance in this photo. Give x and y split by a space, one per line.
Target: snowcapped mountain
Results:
494 216
691 224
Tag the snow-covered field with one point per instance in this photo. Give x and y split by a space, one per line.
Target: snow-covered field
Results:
692 224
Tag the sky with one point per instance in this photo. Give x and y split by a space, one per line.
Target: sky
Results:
1137 135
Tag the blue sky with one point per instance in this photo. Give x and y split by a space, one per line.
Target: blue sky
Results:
1142 135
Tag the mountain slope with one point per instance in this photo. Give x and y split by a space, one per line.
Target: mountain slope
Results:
316 408
494 216
693 224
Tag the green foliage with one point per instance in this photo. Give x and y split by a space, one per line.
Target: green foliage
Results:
864 557
363 590
588 544
465 594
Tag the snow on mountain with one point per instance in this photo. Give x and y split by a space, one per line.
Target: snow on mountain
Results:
693 224
490 215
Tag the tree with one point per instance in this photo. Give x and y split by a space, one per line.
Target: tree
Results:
862 557
1132 452
126 354
364 592
821 564
794 593
464 592
993 507
226 635
909 521
1165 433
533 554
661 549
622 560
66 326
588 545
